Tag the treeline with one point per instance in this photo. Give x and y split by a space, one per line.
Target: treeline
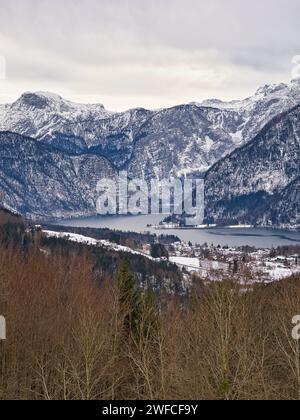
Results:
285 250
162 277
71 337
159 276
130 239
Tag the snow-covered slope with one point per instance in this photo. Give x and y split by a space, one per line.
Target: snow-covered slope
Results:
41 114
257 110
183 139
258 182
40 182
73 237
73 127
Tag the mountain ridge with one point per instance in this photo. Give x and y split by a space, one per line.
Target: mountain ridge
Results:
121 136
177 141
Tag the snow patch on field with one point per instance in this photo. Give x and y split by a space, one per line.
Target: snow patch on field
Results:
277 272
189 263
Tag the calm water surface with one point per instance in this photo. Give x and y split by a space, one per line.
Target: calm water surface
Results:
264 238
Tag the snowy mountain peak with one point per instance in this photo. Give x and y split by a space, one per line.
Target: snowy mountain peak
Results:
51 101
270 89
287 94
38 100
38 114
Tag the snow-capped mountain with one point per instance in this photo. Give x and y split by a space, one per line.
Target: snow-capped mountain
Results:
259 109
191 138
252 147
73 127
179 140
259 182
41 114
183 139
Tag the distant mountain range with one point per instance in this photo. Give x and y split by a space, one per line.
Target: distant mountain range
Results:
249 150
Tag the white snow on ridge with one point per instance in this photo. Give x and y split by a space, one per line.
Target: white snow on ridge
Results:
11 209
40 114
74 237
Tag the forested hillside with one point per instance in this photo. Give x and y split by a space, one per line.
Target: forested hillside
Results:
80 326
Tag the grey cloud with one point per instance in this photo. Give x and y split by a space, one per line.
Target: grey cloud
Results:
153 51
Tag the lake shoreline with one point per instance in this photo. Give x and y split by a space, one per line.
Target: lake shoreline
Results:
259 237
60 221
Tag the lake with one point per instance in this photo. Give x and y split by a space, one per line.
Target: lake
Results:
261 238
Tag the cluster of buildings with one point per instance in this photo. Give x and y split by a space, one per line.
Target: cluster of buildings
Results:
248 265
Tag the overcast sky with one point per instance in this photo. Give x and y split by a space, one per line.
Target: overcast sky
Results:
150 53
